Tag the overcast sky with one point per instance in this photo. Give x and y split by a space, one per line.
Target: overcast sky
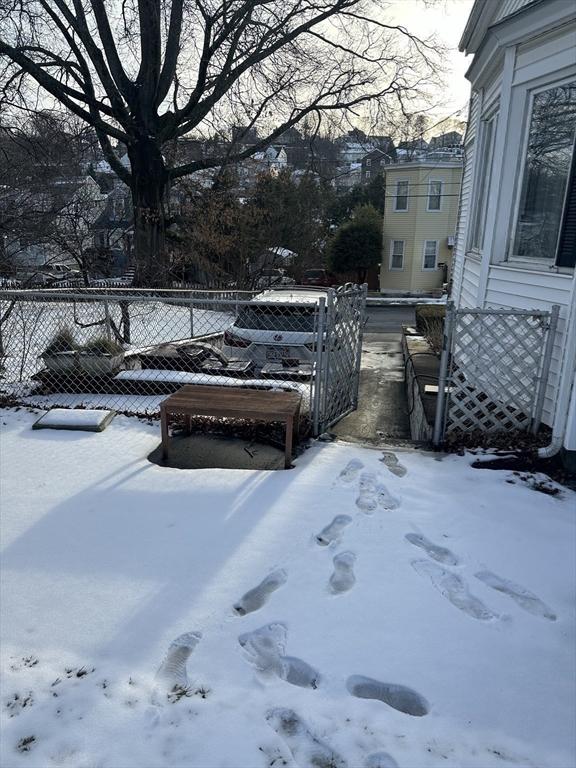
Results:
447 19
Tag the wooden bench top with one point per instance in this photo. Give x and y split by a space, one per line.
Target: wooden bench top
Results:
207 400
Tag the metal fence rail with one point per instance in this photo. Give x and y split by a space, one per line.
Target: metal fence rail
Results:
494 370
127 349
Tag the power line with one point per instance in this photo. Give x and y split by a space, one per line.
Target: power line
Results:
411 197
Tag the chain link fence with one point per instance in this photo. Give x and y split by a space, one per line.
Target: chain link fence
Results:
127 349
494 370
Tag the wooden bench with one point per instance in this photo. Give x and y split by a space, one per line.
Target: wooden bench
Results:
233 402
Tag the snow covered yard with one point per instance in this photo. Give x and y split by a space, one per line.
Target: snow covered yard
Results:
452 591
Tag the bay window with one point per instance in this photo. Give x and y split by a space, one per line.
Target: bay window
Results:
546 197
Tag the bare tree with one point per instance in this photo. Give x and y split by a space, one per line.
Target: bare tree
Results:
146 72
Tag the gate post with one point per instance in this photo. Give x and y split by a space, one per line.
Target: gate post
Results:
357 361
108 324
320 326
191 299
439 421
545 368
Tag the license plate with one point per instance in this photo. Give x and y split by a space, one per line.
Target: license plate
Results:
277 353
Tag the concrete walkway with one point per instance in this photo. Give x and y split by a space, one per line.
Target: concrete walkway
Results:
382 414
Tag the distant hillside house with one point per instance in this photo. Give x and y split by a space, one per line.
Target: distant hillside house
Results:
373 163
420 215
272 158
350 152
450 139
349 176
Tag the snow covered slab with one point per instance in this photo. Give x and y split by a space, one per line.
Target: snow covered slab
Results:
86 420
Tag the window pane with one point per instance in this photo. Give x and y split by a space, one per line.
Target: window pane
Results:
402 196
546 171
434 195
397 260
430 254
484 168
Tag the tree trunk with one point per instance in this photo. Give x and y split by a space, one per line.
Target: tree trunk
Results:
149 188
125 317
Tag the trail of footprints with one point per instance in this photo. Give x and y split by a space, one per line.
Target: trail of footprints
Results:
454 588
265 648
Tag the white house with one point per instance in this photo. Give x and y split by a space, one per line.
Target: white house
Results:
272 158
516 236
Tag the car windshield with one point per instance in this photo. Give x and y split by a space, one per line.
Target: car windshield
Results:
314 273
282 318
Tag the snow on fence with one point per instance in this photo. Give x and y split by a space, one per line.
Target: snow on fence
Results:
127 349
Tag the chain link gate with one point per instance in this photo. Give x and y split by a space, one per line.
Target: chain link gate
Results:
127 349
494 370
339 365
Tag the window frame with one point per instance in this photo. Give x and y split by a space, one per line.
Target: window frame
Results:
367 174
439 195
436 254
396 196
523 261
479 207
392 254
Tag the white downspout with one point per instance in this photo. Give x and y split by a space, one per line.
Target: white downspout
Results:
566 398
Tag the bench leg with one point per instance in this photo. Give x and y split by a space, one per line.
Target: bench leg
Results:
165 433
289 434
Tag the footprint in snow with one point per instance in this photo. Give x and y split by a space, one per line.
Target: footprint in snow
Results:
343 577
308 750
350 471
396 696
264 643
265 650
527 600
441 554
298 672
380 760
385 499
454 589
172 672
367 500
331 532
390 459
259 596
373 495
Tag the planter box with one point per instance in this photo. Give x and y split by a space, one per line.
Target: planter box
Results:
100 365
60 362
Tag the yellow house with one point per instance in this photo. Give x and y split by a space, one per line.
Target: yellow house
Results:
420 216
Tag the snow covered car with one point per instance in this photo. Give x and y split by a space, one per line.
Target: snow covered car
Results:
275 326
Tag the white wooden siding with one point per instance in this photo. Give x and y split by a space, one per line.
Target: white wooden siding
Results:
473 112
465 197
525 289
470 280
508 7
551 52
463 213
